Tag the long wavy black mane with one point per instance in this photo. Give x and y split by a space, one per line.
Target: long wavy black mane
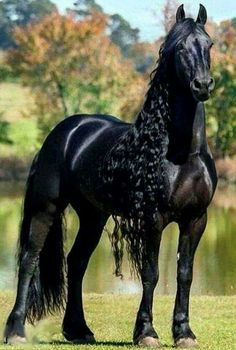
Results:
136 164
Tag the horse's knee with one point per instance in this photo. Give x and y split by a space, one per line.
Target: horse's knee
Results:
151 282
150 278
184 275
76 265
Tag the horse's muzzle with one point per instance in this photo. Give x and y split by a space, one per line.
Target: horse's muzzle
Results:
202 88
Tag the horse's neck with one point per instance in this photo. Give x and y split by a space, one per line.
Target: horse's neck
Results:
151 123
182 127
198 142
187 126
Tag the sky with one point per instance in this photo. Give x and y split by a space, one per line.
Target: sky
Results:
139 13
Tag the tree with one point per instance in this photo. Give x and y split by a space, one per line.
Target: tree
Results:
166 14
169 11
222 108
120 31
122 34
84 8
19 13
233 22
72 66
144 56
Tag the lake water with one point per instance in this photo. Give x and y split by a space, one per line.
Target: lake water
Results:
215 262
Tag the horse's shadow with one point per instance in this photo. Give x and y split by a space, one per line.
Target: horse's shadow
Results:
98 343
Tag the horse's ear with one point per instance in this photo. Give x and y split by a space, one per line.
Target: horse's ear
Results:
202 15
180 14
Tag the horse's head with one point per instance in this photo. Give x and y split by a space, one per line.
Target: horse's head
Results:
192 53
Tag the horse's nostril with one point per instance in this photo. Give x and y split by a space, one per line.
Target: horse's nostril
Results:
211 84
197 84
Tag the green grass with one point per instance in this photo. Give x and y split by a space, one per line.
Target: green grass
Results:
111 317
16 105
15 101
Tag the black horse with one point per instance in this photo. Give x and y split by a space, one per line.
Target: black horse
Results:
150 173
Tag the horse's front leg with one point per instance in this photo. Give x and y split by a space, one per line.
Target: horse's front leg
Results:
144 333
190 235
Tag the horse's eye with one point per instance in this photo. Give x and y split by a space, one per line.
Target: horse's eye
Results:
211 45
181 47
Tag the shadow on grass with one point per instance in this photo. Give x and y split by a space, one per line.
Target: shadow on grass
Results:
98 343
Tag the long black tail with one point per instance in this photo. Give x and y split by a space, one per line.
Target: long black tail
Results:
47 287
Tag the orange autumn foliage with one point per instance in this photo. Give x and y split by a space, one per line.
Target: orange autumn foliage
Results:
72 66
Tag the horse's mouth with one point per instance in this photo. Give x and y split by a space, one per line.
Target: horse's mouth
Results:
201 96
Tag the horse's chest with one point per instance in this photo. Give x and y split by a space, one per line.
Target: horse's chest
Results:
192 188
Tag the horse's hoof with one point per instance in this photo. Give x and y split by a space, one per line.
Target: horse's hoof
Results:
15 340
87 339
186 343
149 342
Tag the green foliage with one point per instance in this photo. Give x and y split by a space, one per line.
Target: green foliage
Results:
19 13
85 7
37 10
23 135
4 132
122 34
6 73
221 108
233 21
120 31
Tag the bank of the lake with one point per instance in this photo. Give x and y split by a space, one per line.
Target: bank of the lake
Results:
214 268
112 317
111 304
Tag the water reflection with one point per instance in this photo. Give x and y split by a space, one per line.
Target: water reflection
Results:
215 267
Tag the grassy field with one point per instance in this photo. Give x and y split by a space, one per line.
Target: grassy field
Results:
111 317
15 101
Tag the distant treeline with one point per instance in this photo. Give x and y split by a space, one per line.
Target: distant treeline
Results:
87 61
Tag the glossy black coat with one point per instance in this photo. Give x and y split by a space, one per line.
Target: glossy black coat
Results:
68 170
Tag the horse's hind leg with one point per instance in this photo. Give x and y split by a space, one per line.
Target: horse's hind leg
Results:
40 223
40 212
92 222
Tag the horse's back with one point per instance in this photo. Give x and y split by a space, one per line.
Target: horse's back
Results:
79 131
72 153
